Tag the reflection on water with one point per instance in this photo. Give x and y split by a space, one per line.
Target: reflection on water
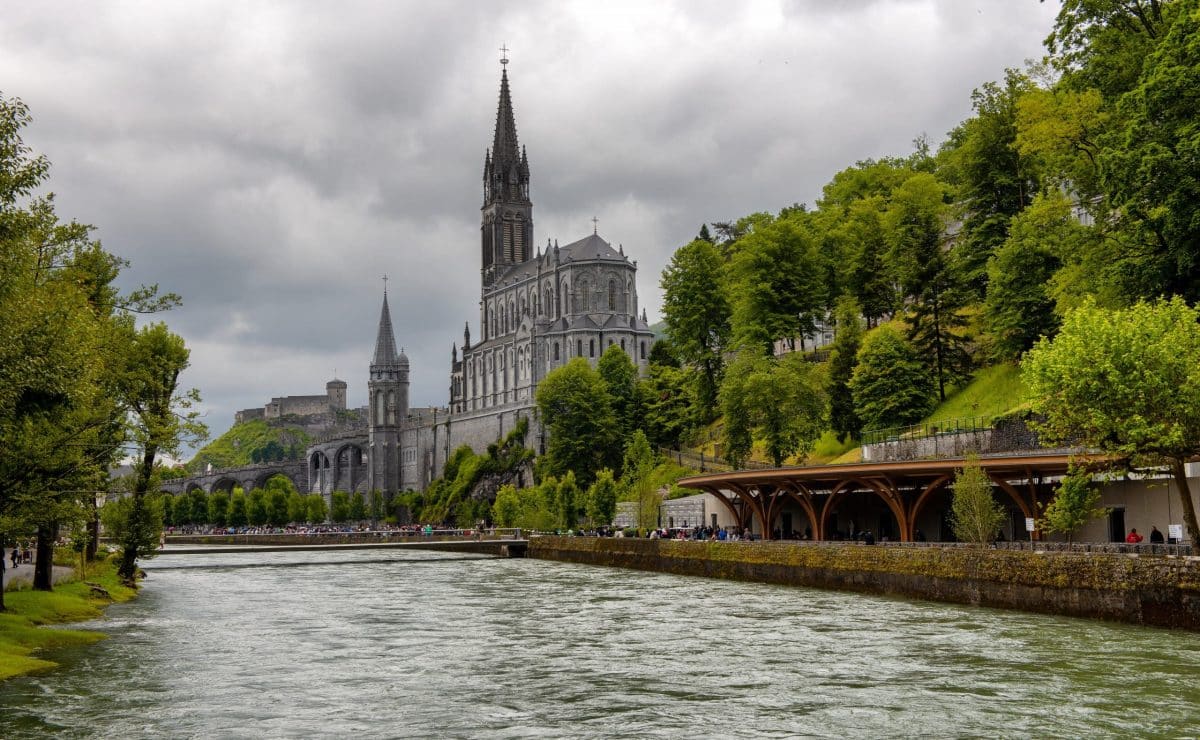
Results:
404 644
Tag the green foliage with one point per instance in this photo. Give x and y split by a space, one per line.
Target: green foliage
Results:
567 502
975 514
134 523
638 458
842 360
993 391
891 385
297 507
458 496
602 499
781 401
1075 503
237 516
315 511
669 399
218 508
697 314
620 378
1126 382
197 507
256 440
358 507
277 507
256 508
577 411
339 507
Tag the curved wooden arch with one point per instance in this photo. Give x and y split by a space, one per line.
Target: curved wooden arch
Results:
720 496
890 497
1015 494
751 504
802 496
915 509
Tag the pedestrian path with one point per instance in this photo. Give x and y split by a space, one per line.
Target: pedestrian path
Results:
24 572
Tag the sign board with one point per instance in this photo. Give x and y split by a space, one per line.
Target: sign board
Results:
1030 525
1175 532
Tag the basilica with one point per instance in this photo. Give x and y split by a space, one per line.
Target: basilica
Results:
539 307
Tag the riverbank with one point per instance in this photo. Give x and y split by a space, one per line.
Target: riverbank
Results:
1162 591
23 631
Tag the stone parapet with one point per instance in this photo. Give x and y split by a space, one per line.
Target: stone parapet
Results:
1161 591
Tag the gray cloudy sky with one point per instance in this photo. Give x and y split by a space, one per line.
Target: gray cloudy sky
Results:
269 161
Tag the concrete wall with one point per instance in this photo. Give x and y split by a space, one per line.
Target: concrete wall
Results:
1156 590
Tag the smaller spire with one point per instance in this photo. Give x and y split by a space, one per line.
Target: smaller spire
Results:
385 340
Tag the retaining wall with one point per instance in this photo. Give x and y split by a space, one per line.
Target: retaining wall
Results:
1160 591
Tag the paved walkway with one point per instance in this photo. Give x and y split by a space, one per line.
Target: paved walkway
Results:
24 572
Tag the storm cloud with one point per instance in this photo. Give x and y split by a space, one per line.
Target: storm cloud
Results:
270 161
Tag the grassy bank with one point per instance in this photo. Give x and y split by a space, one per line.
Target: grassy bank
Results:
22 630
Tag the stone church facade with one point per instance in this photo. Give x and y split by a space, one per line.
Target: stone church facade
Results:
538 309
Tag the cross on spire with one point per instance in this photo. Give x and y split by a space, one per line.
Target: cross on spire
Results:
504 54
385 279
595 224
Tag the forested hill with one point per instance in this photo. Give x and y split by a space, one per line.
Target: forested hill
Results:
253 441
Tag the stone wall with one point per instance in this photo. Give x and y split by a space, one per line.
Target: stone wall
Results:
1158 591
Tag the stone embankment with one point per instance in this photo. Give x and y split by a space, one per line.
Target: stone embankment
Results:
1157 590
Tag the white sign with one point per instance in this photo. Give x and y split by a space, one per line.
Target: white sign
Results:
1029 524
1175 532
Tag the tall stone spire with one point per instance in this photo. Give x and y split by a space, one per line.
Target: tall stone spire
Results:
385 340
506 227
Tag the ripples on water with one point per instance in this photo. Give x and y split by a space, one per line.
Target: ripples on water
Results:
429 645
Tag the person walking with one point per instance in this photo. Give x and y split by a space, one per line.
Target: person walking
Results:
1133 538
1156 537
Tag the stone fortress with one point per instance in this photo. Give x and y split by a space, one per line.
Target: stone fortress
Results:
538 309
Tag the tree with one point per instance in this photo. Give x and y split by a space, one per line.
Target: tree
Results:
314 510
621 381
975 515
697 314
602 499
197 512
667 399
575 408
160 418
1125 382
277 506
237 509
297 507
218 508
358 507
935 324
638 459
507 508
864 239
141 529
256 507
567 501
339 509
843 359
890 384
168 510
1019 309
1075 503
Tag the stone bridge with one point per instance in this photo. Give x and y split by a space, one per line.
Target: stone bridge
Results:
248 477
338 462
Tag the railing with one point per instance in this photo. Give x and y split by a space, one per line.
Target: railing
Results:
707 463
971 424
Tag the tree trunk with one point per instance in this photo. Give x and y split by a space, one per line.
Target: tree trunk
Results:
93 532
43 566
1185 497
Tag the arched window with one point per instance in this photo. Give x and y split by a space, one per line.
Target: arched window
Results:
622 345
379 414
579 348
583 296
591 348
391 410
643 350
556 351
612 295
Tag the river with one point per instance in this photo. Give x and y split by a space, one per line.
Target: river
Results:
390 644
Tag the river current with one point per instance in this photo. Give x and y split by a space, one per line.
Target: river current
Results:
389 644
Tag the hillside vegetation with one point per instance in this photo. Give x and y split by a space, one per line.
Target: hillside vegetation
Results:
253 441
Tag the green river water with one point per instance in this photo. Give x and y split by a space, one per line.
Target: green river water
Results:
390 644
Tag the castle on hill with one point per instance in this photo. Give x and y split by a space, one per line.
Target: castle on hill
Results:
538 309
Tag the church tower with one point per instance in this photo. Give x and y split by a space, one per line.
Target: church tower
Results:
387 408
506 227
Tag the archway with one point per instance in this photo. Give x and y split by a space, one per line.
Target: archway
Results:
847 512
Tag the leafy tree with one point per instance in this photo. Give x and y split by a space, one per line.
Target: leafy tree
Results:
890 385
783 401
864 238
1076 501
168 509
638 459
567 501
994 180
575 408
140 529
315 511
218 508
507 508
197 507
975 516
277 506
339 509
358 507
935 324
843 358
778 286
1152 163
377 504
160 418
697 314
256 508
1124 382
621 380
297 507
237 516
1020 308
668 398
602 499
1102 44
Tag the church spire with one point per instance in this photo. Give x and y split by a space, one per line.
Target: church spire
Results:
385 341
505 150
507 212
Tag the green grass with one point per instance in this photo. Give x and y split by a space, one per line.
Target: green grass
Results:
237 446
21 627
829 448
992 392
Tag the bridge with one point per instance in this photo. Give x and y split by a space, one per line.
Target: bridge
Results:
248 477
508 543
